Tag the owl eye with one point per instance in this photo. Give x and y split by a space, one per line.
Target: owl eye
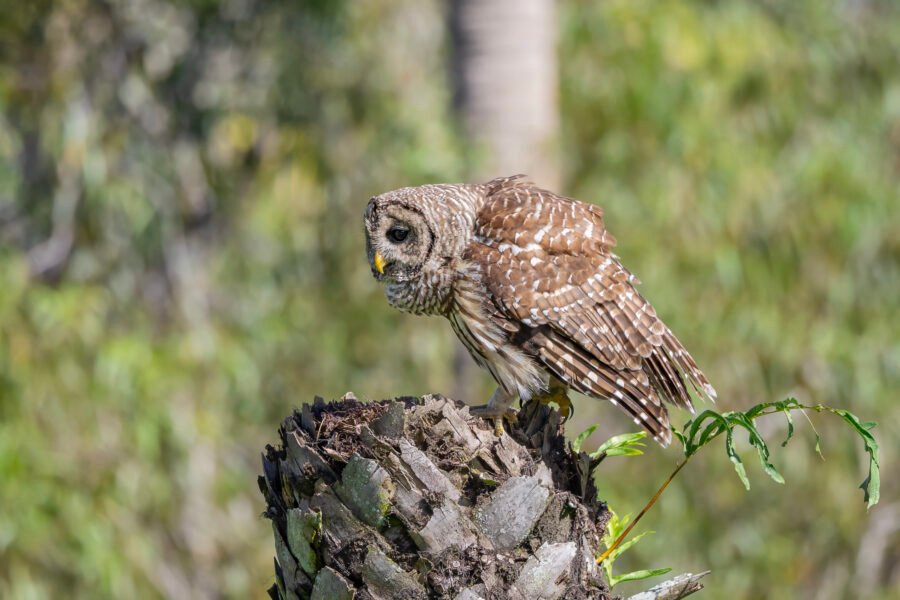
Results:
397 234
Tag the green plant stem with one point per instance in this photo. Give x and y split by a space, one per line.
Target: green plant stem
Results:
727 422
663 487
649 505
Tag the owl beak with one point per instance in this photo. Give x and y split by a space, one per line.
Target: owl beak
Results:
379 263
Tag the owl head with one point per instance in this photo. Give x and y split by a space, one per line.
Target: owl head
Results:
399 240
417 230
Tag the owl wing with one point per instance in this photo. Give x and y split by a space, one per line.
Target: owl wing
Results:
547 264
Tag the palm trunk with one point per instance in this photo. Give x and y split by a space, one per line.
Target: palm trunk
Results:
412 499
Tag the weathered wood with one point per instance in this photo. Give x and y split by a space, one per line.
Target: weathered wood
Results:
678 587
514 509
386 580
366 489
544 575
416 498
330 585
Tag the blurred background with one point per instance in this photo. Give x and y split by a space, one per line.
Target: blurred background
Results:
182 259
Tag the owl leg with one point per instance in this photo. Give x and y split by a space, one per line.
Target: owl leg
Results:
558 393
497 410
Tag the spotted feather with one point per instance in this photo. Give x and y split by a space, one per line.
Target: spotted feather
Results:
576 288
532 288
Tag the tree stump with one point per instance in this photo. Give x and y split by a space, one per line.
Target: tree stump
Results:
416 498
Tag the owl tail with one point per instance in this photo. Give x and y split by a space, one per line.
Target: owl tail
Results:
585 374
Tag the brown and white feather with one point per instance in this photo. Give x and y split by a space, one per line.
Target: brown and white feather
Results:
536 292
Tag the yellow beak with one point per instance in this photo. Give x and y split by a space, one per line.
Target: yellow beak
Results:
379 262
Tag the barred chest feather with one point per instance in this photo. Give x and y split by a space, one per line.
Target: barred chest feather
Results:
427 295
458 293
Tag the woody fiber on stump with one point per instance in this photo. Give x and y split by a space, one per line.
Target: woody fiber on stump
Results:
416 498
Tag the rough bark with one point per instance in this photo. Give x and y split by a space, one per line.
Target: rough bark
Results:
416 498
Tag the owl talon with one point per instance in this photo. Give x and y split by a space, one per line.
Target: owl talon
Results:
495 414
559 397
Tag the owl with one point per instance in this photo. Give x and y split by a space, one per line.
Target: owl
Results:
530 285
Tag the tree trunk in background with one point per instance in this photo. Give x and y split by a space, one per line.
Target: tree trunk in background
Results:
505 81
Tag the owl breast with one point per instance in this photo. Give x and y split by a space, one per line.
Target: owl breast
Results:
490 344
428 294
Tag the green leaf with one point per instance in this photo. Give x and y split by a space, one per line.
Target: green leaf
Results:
735 459
615 527
790 424
763 452
815 432
625 444
626 545
757 441
581 438
871 485
637 575
620 452
695 427
695 424
714 429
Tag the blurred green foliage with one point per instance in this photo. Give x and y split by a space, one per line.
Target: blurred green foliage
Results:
182 262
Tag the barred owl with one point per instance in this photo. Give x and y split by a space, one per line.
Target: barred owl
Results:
531 287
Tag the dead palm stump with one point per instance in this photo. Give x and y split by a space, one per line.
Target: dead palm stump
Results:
416 498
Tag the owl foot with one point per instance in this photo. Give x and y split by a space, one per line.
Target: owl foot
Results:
497 414
558 396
